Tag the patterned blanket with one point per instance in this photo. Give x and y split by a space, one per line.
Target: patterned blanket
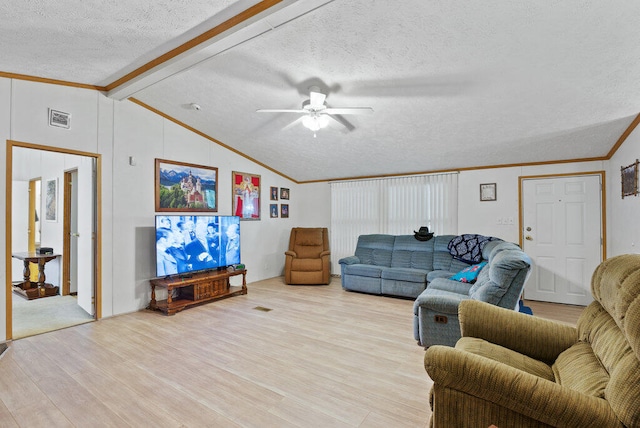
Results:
468 247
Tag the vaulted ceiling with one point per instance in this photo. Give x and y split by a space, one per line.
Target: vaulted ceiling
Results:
452 84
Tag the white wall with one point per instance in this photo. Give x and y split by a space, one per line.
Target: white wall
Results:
118 130
623 215
487 218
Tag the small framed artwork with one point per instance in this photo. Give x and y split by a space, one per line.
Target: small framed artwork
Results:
51 200
629 178
284 210
246 195
186 187
274 193
273 210
59 119
284 193
488 192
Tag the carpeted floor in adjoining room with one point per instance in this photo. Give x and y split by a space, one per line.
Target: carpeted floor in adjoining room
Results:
31 317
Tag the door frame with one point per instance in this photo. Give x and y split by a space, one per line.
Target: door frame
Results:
603 202
97 248
66 233
33 203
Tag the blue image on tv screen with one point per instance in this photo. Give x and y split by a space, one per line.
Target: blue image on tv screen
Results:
190 243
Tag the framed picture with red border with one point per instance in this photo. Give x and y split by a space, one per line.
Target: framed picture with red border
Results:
246 195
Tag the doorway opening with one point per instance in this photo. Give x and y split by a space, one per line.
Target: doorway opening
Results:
63 216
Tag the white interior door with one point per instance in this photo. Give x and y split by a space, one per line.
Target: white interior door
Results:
562 233
19 226
86 234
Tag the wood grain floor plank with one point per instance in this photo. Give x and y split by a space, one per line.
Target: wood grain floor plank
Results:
318 356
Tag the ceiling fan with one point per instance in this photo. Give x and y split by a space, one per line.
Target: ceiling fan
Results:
316 113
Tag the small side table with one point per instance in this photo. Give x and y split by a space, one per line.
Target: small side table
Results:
29 289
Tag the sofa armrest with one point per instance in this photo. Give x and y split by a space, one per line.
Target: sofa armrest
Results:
325 253
486 383
351 260
532 336
291 253
439 301
450 285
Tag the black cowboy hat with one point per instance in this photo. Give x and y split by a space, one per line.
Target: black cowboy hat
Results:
423 234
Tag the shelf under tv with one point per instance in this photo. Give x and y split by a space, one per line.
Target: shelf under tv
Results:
199 288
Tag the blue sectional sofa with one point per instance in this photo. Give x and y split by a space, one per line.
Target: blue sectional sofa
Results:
398 265
401 265
500 282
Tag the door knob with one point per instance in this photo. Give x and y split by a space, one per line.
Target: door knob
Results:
76 235
528 238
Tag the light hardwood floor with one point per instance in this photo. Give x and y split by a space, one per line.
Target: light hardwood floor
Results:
321 357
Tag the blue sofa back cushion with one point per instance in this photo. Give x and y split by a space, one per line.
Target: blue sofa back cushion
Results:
408 252
442 260
469 274
504 267
375 249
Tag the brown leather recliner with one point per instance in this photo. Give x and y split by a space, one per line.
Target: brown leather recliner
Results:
307 260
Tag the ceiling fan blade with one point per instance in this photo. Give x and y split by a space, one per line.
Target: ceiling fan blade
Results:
349 110
294 123
275 110
342 122
316 99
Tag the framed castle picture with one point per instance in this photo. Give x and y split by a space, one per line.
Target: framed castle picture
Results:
186 187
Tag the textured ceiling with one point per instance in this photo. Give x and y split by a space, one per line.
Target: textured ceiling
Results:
452 84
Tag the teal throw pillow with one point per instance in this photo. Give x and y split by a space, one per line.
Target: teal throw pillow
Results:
469 274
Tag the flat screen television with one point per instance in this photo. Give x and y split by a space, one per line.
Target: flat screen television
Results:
191 243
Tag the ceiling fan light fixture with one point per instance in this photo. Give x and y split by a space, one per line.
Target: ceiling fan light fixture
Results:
310 123
323 120
315 122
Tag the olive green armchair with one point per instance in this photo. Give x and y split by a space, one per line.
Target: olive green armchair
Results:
514 370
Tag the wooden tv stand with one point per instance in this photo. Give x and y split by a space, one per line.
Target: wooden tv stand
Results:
194 289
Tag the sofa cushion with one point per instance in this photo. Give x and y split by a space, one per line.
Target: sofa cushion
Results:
405 274
394 287
578 368
498 246
370 271
494 281
435 274
441 257
447 284
375 249
408 252
506 356
469 274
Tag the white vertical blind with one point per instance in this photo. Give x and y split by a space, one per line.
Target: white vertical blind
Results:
396 206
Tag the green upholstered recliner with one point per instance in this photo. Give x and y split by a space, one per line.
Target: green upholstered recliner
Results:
515 370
